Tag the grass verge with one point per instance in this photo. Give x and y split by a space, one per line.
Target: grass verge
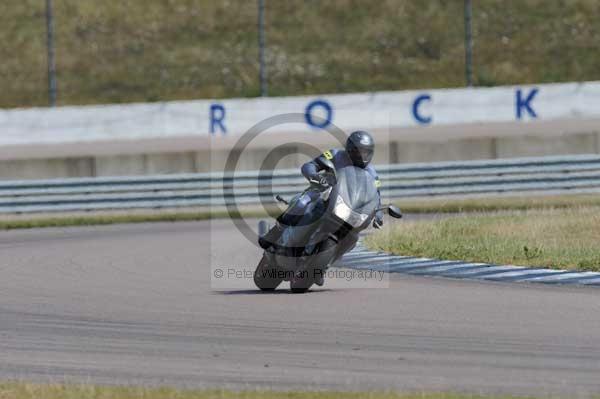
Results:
59 391
32 221
150 50
10 222
553 238
497 204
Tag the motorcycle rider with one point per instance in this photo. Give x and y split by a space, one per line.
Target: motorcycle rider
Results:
358 152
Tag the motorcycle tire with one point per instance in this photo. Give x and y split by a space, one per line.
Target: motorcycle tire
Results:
265 276
301 283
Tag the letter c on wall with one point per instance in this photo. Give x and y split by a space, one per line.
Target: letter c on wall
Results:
423 120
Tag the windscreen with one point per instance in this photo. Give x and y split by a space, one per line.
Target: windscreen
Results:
357 188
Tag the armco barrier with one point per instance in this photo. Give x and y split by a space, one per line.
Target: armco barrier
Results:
556 175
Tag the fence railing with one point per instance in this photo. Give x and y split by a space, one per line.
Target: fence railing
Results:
544 175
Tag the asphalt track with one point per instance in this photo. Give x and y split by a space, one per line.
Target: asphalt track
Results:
133 304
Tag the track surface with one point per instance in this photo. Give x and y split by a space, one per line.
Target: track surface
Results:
133 304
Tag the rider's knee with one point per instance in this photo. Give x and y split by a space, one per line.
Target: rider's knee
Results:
303 201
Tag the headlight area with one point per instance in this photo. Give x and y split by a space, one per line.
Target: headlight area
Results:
344 212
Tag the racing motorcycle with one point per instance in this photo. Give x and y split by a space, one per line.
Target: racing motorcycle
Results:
328 229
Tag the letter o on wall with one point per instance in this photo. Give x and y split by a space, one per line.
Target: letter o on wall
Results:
320 122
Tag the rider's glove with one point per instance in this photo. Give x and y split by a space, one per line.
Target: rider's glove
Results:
378 221
322 181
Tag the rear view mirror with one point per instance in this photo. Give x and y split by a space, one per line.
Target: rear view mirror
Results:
394 211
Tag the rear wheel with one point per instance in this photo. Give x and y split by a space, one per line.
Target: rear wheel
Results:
266 277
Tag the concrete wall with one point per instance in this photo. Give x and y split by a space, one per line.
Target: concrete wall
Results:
47 168
216 120
199 136
252 158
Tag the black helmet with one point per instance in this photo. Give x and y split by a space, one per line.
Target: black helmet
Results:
360 147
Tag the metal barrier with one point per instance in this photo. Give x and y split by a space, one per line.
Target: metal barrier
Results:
545 175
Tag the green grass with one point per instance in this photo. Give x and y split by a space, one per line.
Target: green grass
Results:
553 238
497 204
150 50
59 391
33 221
11 222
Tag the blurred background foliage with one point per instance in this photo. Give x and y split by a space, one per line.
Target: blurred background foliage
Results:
154 50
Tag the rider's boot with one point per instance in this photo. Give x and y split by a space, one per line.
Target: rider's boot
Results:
271 237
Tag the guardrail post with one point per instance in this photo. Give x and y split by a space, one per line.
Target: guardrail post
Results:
51 54
468 44
261 48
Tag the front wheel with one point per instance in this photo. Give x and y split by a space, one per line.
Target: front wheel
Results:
301 282
266 277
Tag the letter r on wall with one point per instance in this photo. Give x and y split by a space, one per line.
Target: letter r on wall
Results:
217 118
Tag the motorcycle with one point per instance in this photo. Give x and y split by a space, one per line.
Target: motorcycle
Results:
328 229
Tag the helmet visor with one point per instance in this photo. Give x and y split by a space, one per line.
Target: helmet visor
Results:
361 156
